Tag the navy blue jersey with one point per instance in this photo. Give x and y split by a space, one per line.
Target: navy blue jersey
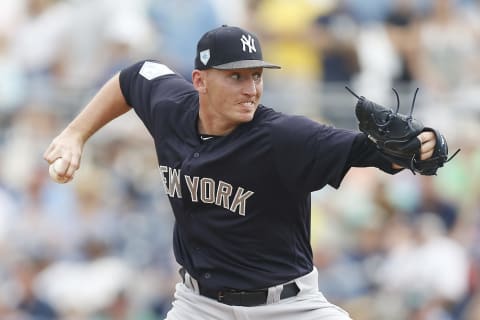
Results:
241 201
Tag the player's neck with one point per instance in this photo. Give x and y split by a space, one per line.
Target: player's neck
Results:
212 125
213 129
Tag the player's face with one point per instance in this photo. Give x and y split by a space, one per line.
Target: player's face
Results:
233 95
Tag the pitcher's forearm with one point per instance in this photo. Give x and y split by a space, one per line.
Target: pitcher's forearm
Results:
106 105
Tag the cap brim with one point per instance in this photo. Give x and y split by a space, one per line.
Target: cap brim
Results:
246 64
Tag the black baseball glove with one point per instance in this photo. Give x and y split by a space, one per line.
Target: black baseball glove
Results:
396 134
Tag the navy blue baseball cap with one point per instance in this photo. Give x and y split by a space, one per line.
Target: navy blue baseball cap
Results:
228 48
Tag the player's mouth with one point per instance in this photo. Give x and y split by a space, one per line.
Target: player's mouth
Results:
248 104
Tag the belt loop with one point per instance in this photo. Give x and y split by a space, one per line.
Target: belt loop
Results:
192 282
274 294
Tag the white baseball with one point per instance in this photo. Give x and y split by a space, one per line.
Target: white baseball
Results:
57 167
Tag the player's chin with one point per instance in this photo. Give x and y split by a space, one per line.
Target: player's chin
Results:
245 116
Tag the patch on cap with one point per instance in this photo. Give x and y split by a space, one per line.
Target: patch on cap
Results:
205 56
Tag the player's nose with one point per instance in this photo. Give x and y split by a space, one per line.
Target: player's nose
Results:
249 87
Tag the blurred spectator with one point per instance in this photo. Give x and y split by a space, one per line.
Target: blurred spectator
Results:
12 81
448 58
39 45
128 37
103 35
8 207
80 288
49 219
231 12
471 12
178 33
402 28
432 203
335 33
427 274
31 303
27 130
45 210
289 42
370 11
346 238
10 15
380 63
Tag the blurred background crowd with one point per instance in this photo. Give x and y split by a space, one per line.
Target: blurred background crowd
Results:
401 247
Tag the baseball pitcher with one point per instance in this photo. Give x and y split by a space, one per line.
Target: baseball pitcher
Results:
239 175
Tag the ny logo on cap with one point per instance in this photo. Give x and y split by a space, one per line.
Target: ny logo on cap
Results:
248 42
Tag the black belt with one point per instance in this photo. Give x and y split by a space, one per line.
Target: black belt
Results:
244 298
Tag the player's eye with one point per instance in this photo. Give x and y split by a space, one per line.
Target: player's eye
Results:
235 76
257 76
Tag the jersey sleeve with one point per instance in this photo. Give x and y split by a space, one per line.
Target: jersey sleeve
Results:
310 155
364 153
147 85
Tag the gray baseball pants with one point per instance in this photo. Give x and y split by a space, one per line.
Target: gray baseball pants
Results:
308 304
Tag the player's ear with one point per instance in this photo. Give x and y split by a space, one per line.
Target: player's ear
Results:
198 81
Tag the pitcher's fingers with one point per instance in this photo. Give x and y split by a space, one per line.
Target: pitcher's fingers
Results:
426 155
73 164
55 151
49 154
428 141
61 179
71 170
426 150
68 177
426 136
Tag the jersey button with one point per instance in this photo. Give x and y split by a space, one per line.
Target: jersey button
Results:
207 275
196 155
